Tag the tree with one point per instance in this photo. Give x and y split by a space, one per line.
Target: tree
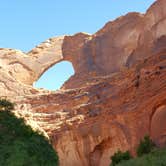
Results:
6 105
145 146
20 145
119 157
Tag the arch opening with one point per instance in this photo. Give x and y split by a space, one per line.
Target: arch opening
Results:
54 77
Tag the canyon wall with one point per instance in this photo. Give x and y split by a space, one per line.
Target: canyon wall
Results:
116 96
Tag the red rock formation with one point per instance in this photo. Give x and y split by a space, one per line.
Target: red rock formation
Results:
117 95
87 125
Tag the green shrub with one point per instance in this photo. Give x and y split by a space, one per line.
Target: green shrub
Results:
146 145
155 158
6 105
148 155
20 145
119 157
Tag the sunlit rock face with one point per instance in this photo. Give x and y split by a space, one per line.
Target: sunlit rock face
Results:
117 95
88 124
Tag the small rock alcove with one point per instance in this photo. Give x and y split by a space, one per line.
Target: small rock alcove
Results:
55 76
158 127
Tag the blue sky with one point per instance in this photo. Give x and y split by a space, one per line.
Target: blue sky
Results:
26 23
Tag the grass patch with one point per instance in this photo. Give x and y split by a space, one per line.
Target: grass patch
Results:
155 158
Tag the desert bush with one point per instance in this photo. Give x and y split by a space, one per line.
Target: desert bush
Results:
155 158
119 156
145 146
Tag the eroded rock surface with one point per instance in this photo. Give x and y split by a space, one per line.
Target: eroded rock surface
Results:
116 96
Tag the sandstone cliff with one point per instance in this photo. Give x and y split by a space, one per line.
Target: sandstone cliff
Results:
117 95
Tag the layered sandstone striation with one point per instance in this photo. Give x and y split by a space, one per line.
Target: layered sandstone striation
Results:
88 124
116 96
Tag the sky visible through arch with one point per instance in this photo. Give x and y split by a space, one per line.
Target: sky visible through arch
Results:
26 23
